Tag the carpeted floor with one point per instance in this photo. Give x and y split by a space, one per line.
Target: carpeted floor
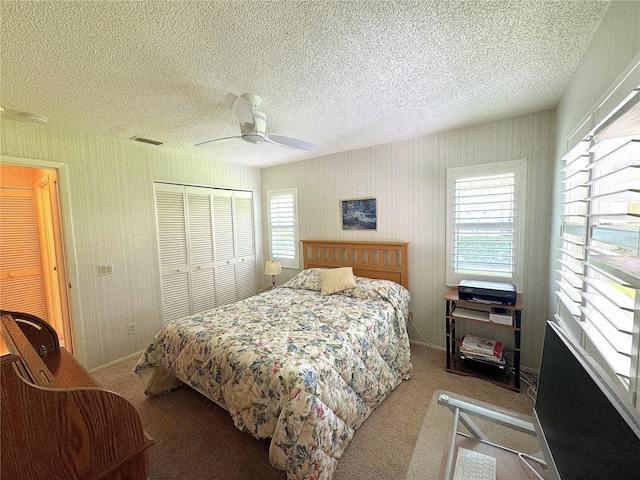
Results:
196 439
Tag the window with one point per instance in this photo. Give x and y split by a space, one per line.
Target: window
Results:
283 227
485 224
598 265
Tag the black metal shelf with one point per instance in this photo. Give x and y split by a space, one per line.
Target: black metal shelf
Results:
502 377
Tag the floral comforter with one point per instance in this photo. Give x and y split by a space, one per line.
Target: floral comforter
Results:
302 368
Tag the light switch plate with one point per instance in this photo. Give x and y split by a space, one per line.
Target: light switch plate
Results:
106 269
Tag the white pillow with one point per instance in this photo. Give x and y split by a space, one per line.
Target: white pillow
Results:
337 279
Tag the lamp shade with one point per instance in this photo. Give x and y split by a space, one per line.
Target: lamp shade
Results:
272 268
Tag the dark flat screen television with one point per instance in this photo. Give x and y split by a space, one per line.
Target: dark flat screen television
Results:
587 430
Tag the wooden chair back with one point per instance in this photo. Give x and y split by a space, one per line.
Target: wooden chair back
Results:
40 334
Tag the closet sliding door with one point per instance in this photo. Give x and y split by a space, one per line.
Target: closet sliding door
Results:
206 243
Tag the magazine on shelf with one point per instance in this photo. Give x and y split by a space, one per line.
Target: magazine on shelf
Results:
494 361
491 350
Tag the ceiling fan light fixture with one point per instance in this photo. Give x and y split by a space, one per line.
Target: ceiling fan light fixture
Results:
253 138
259 127
253 124
253 99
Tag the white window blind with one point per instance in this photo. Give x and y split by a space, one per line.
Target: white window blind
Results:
612 273
599 265
485 225
572 251
283 227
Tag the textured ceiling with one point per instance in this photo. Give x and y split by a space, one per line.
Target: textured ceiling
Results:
342 75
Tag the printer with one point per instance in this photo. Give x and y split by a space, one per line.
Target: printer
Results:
487 292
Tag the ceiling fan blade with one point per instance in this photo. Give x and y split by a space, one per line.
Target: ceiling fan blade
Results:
291 143
215 140
243 111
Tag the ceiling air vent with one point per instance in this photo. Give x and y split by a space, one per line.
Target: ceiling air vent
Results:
146 140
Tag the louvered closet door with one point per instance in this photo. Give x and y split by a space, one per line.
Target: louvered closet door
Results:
207 248
174 251
225 252
201 248
245 240
21 284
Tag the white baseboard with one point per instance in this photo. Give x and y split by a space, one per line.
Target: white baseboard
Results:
115 362
426 344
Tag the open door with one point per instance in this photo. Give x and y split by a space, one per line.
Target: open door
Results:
53 274
32 273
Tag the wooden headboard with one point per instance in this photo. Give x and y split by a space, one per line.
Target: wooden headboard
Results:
384 260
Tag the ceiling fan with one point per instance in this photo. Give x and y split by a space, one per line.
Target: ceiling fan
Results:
253 124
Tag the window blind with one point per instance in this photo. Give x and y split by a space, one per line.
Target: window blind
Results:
283 235
599 266
485 232
612 270
573 234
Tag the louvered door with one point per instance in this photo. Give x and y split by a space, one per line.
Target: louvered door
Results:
225 247
174 251
21 283
201 248
207 248
245 239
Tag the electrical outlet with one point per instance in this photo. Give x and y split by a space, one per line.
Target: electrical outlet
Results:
131 328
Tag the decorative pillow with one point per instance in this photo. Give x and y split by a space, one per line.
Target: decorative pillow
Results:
337 279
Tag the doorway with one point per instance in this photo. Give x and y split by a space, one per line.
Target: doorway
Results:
32 265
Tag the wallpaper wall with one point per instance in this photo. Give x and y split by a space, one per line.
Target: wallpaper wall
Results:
111 219
614 46
408 179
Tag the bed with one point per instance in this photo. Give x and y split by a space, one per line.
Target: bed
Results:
293 364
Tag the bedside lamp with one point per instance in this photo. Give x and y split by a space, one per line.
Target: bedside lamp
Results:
273 268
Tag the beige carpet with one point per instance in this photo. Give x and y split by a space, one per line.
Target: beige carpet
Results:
196 439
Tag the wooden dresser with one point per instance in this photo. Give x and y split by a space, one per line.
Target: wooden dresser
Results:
57 422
